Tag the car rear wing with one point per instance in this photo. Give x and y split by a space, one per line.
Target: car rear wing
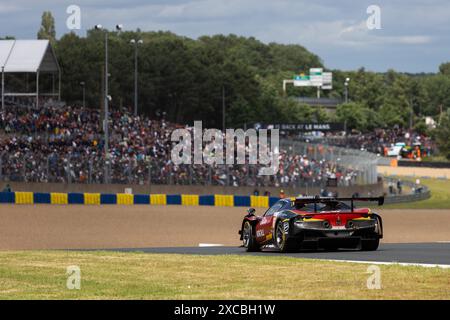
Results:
318 199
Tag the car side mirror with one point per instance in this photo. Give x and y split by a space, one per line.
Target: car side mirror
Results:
251 211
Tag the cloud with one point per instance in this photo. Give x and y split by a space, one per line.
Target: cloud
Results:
335 30
8 8
355 35
360 35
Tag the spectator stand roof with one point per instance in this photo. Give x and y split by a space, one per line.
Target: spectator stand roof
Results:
27 56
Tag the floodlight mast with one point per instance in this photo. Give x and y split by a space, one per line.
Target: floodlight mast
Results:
108 98
347 81
136 43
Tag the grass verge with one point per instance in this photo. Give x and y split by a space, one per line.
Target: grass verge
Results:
440 196
110 275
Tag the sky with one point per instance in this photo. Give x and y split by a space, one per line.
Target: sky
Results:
414 35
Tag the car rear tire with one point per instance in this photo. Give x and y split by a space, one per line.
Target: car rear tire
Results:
370 245
283 243
249 239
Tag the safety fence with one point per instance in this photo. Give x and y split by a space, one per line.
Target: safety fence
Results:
136 199
301 165
360 166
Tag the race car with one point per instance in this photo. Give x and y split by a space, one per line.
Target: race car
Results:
314 223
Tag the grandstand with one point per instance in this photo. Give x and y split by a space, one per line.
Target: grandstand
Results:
65 145
42 142
25 57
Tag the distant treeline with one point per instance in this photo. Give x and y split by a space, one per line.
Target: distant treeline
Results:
185 78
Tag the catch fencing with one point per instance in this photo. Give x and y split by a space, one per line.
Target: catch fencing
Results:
358 169
362 163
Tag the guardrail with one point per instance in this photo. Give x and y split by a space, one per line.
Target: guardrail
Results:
424 194
423 164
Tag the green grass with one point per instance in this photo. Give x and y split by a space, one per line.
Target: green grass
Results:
435 159
440 196
109 275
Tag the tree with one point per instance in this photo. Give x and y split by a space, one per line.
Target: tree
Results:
437 88
47 30
396 107
442 134
373 119
445 69
364 87
184 78
353 114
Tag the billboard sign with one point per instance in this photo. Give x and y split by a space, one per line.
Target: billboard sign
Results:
302 81
304 127
327 81
316 78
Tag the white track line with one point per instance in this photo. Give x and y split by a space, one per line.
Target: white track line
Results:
207 245
405 264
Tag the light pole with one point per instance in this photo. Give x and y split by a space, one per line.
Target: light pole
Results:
107 97
3 87
83 86
347 80
223 110
136 43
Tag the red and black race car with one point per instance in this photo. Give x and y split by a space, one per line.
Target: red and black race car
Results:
313 223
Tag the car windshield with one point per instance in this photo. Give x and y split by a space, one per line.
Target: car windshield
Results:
323 206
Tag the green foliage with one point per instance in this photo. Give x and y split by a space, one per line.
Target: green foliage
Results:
442 135
47 30
445 68
421 127
437 88
295 112
185 78
373 119
353 114
393 98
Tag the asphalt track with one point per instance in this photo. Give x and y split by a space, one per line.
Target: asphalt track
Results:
417 253
411 236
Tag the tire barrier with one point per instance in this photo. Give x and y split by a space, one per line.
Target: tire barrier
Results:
136 199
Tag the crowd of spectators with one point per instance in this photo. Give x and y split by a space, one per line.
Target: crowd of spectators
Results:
380 141
52 144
